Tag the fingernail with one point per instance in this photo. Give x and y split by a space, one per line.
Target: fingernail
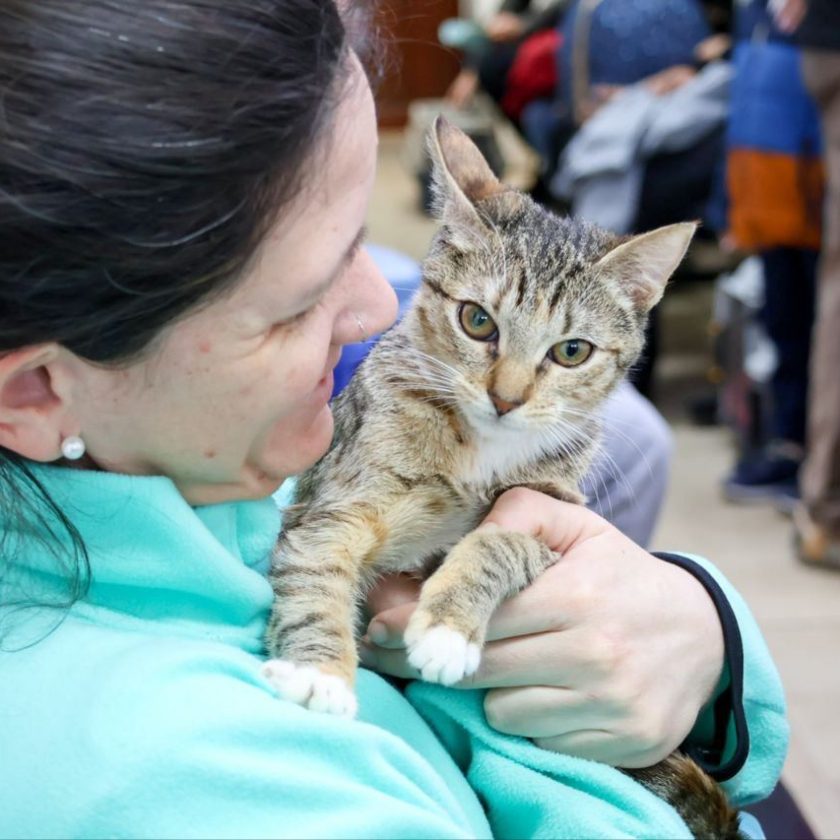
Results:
377 632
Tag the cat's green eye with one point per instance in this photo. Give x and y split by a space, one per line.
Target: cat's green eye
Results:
571 353
477 323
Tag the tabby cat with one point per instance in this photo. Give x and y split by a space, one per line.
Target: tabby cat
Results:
523 324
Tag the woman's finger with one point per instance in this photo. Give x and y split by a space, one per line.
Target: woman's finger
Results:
554 602
548 604
546 659
538 608
543 712
603 746
560 525
386 629
549 659
591 744
534 610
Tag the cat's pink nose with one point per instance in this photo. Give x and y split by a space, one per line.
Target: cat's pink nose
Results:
502 406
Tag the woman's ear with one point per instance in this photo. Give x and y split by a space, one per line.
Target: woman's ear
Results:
35 411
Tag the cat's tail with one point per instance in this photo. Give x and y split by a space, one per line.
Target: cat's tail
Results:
695 796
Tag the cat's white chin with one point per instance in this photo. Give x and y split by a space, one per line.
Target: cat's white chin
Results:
503 444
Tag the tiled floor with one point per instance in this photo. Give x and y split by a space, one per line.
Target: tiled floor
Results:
798 608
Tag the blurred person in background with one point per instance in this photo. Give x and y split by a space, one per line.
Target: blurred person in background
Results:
775 190
612 50
520 38
817 521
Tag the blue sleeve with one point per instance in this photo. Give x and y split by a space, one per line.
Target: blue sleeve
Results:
534 793
208 751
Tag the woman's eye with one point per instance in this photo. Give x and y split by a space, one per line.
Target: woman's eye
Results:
571 353
477 323
294 320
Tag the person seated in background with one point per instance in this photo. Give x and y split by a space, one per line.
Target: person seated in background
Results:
511 58
494 44
629 54
610 44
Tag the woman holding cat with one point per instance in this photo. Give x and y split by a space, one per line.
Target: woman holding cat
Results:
184 187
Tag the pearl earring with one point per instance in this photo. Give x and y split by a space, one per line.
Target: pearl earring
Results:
72 448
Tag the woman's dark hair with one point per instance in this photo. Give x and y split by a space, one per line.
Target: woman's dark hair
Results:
145 148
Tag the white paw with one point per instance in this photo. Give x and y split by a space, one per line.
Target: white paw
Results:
442 655
308 686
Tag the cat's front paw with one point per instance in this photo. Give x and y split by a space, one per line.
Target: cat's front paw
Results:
439 653
311 687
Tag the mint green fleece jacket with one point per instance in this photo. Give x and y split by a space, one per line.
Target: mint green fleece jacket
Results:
140 711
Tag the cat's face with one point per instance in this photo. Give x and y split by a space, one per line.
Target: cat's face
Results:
524 320
538 317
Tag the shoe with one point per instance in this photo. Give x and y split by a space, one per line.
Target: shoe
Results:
767 476
813 544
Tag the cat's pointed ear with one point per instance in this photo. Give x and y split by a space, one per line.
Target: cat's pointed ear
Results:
643 264
461 176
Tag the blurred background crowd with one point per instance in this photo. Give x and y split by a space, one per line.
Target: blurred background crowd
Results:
638 113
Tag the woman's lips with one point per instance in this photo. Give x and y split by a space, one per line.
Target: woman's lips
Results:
327 381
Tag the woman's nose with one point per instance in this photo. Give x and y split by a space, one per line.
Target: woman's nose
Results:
371 305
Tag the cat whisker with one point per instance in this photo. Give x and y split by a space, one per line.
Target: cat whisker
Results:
432 377
604 465
571 444
442 400
568 445
446 374
601 461
412 382
419 367
434 360
409 387
612 424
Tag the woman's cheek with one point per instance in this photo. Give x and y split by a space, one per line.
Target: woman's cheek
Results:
302 365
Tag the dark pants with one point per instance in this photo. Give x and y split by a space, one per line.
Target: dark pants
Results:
787 315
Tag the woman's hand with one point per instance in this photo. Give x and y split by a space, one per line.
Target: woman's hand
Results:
609 655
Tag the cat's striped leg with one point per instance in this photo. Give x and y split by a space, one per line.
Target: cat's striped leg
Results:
448 628
311 632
